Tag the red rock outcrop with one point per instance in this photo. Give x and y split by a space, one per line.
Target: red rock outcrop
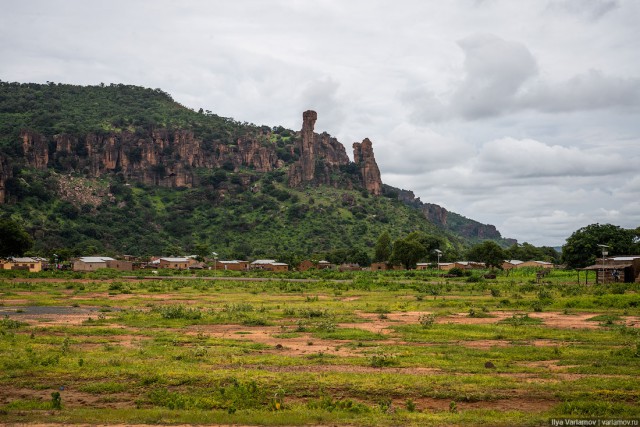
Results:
5 174
320 155
165 158
170 158
366 162
435 213
36 149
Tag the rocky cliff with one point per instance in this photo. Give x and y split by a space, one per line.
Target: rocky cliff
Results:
5 174
366 162
171 158
449 220
163 158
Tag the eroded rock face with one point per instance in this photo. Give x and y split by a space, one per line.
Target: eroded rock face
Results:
364 158
165 158
36 149
170 158
5 174
435 213
320 155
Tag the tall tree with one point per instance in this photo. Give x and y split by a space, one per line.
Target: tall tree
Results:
407 252
582 247
383 248
488 252
14 241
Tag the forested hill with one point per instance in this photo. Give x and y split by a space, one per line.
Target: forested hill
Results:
124 169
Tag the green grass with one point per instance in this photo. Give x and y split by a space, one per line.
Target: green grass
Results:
171 360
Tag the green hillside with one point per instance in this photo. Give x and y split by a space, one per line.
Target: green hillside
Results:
275 222
77 110
237 212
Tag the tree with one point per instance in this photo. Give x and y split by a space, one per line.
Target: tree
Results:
428 242
407 252
527 252
582 248
488 252
360 257
383 248
14 241
202 250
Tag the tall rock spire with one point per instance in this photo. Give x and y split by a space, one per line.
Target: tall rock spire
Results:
366 162
320 155
307 151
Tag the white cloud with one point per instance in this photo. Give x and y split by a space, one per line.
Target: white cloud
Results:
410 150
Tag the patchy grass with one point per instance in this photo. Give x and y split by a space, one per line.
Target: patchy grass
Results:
362 352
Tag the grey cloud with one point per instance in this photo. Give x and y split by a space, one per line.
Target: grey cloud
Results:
529 158
591 90
589 9
502 77
495 70
322 96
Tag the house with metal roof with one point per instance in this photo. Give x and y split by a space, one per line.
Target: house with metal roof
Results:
179 263
91 263
32 265
623 268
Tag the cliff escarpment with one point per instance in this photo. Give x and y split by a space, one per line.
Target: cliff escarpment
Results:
162 157
451 221
174 158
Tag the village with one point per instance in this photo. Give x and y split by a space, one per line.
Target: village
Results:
606 269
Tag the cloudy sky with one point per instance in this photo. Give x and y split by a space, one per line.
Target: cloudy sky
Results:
522 114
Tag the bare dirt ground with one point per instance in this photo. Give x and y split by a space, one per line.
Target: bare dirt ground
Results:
304 344
50 315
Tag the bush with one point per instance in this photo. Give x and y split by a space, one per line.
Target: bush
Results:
427 320
456 271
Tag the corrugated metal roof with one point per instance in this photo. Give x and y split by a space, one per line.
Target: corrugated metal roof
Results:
175 259
23 260
263 261
91 259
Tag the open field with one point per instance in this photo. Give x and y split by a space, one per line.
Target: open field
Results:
370 349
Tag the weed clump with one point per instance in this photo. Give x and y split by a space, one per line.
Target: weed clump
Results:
328 404
427 320
382 360
520 320
178 312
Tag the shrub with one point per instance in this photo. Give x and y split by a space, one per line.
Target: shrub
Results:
427 320
56 400
456 271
